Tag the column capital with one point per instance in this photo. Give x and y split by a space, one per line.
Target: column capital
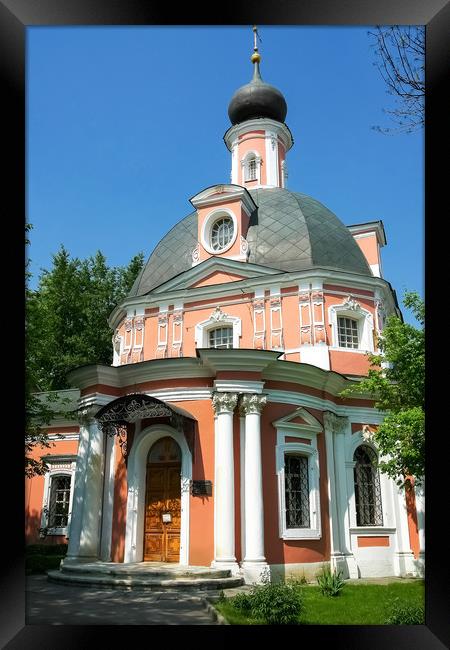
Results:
86 413
224 402
252 403
334 423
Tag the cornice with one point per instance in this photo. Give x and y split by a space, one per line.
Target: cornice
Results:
223 193
258 124
236 359
129 374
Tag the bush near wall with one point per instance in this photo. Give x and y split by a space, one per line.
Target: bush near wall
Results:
40 558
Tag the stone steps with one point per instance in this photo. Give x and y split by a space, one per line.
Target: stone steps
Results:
144 576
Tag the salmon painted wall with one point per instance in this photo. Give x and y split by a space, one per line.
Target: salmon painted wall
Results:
34 489
242 218
279 551
369 246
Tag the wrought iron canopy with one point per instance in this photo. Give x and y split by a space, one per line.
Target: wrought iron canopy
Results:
138 406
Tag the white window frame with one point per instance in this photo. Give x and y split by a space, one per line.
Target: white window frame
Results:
202 329
55 471
213 329
364 321
208 224
307 432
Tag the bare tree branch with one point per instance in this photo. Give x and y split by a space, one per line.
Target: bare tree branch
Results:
400 52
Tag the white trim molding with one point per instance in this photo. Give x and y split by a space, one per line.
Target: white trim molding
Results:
308 431
59 466
217 319
209 222
137 469
350 308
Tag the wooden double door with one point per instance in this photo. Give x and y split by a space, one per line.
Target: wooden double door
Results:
163 505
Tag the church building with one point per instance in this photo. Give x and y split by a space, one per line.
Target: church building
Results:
218 439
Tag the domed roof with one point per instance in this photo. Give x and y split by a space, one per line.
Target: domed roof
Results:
257 99
289 231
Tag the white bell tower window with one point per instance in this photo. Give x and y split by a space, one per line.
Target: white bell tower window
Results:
251 164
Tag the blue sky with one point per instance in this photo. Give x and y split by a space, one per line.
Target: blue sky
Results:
125 124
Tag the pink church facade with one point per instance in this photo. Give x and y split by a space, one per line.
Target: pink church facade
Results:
218 436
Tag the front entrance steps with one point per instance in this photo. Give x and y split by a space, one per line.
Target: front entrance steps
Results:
144 575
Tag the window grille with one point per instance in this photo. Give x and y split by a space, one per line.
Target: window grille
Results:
251 170
222 233
221 337
59 502
296 491
347 332
369 510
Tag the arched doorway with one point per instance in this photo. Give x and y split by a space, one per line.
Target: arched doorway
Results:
162 526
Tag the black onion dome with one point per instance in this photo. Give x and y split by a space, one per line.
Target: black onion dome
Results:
289 231
257 99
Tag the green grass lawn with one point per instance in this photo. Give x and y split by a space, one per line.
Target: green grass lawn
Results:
356 605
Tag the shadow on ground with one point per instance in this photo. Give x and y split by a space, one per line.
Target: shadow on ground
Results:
57 604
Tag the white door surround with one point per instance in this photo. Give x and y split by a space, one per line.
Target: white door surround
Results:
137 468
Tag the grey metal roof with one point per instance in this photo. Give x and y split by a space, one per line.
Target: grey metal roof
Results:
289 231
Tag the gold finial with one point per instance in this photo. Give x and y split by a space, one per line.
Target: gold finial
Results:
256 57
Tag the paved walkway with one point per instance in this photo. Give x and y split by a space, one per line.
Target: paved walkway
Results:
49 603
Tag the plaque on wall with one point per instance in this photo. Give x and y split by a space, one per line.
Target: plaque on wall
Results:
201 488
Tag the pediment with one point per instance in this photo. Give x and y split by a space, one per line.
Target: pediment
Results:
217 277
300 419
214 271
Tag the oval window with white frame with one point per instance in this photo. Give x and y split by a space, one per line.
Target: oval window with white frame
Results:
219 231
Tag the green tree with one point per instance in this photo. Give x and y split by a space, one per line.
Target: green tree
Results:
66 327
397 380
69 311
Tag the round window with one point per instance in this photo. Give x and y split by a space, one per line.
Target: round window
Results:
222 233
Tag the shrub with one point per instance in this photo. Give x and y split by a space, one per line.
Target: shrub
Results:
46 549
330 582
242 602
275 604
403 614
42 563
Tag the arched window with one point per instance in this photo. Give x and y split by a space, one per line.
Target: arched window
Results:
250 169
221 337
369 510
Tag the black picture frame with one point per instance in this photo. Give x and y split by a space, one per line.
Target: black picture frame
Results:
15 17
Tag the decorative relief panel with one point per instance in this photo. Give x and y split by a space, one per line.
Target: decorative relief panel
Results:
276 323
305 318
177 333
259 324
161 350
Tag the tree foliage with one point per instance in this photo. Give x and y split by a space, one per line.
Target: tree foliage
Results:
397 380
400 52
66 327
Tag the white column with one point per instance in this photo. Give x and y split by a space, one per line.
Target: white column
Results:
420 509
254 565
108 499
79 488
404 563
242 463
341 558
89 548
224 534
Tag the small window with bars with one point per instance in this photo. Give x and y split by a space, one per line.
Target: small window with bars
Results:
221 337
58 514
250 170
347 332
296 491
369 510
